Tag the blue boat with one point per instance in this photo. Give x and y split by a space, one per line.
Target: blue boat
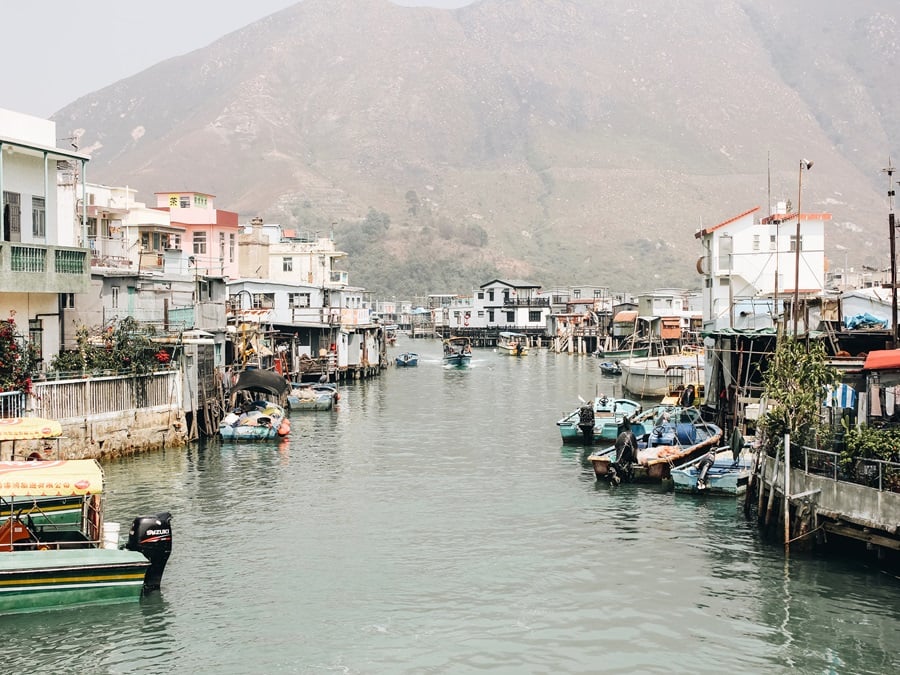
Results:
313 396
457 352
610 368
407 359
608 415
722 471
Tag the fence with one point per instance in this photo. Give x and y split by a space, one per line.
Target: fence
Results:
12 404
874 473
65 399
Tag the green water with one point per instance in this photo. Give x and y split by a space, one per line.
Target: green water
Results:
435 524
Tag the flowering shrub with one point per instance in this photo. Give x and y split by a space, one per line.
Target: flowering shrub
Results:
17 358
122 347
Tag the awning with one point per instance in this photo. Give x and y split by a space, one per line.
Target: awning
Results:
626 316
28 428
63 478
882 359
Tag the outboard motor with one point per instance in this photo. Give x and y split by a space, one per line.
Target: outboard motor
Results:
152 536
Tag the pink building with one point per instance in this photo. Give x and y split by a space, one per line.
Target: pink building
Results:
210 234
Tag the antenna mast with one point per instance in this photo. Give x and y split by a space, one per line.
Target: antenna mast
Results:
891 233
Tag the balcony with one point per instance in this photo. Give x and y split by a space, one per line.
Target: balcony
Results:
526 302
34 268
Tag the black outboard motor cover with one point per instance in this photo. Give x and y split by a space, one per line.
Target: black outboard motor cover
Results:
152 536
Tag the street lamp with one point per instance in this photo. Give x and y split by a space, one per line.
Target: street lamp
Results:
804 164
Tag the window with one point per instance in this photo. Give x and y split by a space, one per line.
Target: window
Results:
114 297
199 239
576 292
11 215
67 301
491 316
35 335
287 264
221 246
755 242
231 248
772 242
510 317
200 201
534 316
481 295
491 296
794 242
298 300
92 227
184 202
38 217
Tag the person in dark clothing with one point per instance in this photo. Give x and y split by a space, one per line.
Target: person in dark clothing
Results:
626 453
586 423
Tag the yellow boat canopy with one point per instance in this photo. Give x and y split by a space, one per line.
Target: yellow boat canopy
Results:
28 428
62 478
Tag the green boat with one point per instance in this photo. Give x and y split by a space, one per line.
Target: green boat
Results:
48 561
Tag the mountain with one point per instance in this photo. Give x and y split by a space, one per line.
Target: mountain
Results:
561 141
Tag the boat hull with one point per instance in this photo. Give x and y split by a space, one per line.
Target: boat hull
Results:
725 477
407 360
646 377
37 580
609 415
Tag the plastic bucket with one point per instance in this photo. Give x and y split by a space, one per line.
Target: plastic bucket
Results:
110 535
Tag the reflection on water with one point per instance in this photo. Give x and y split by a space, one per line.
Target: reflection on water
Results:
434 523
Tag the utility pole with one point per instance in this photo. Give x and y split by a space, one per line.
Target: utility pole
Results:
891 233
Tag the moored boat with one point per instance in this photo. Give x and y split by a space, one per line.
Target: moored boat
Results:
602 416
647 376
47 564
514 344
678 435
457 351
407 360
610 368
313 396
259 418
724 474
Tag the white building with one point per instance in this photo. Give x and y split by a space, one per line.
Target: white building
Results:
45 262
752 268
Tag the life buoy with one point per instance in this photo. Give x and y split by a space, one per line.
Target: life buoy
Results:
468 316
284 428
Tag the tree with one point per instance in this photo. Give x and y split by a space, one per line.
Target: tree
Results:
794 382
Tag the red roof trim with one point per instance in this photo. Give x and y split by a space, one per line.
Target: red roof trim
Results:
707 230
882 359
790 216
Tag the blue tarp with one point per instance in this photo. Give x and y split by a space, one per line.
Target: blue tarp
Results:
864 321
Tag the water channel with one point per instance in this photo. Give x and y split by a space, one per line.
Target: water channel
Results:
434 523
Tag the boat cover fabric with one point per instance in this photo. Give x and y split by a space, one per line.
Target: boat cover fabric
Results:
56 478
265 381
28 428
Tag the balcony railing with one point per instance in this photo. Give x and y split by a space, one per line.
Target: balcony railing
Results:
526 302
32 268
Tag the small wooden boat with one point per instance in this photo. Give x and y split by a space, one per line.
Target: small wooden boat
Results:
610 368
678 435
457 351
724 474
514 344
608 415
313 396
259 418
46 563
407 359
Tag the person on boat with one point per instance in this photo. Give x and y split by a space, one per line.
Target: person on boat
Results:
626 452
586 422
687 396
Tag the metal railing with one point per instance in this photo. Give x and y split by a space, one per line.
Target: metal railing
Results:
879 474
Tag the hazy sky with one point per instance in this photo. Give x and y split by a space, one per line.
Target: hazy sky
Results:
56 51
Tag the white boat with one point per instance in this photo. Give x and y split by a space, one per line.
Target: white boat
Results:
647 376
514 344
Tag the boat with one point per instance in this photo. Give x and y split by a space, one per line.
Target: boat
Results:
313 396
407 359
608 415
684 385
48 564
721 471
672 436
514 344
724 476
646 376
457 351
253 417
616 354
610 368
